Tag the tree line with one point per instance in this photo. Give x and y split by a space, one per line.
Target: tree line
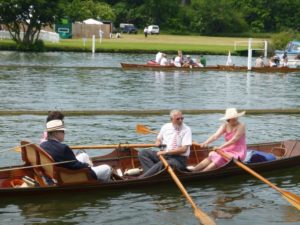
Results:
202 17
206 17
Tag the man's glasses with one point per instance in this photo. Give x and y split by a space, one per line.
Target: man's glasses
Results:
179 118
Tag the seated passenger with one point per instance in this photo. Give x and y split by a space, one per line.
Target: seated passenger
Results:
272 62
178 59
234 145
285 60
164 60
158 57
259 62
61 152
190 62
203 60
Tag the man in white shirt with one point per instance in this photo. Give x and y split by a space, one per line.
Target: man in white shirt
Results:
177 137
164 60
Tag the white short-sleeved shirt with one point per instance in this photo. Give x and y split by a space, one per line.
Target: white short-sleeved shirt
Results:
158 57
163 61
168 132
177 61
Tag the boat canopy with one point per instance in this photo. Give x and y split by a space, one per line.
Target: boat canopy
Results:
293 47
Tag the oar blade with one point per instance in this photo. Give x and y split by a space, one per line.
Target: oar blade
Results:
142 129
203 217
292 198
17 149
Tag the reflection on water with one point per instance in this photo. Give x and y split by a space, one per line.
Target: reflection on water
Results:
229 201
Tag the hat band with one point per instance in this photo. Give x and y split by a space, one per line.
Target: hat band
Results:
56 128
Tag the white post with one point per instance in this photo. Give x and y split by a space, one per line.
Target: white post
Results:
93 44
249 54
266 50
84 41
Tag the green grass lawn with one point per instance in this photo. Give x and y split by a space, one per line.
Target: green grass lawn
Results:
153 43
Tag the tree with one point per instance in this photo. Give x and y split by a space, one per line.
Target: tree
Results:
24 19
78 10
216 17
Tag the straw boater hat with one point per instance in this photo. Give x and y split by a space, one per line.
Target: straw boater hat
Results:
232 113
55 125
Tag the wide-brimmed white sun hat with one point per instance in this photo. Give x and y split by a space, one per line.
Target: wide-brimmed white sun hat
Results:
55 125
232 113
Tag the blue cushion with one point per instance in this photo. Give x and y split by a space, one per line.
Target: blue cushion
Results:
254 156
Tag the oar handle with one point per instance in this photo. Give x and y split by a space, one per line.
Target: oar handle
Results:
113 146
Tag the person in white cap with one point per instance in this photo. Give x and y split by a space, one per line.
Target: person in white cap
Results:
61 152
235 142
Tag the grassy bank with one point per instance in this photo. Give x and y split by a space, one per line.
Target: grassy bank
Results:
139 44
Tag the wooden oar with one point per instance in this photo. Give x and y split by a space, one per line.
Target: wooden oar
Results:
75 147
202 217
290 197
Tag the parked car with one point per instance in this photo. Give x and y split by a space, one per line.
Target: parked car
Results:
128 28
153 29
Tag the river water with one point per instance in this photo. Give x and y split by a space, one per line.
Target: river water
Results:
82 81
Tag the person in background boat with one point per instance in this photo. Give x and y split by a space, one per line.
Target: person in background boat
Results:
191 62
178 61
203 60
164 60
177 137
273 61
52 115
158 57
284 60
61 152
259 62
235 142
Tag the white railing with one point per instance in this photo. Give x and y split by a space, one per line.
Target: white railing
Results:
44 35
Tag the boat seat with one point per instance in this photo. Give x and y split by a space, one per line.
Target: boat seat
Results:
60 175
31 158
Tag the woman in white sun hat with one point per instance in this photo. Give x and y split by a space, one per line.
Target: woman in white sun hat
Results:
235 141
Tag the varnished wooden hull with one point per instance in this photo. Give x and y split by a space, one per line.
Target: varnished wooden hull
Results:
126 158
210 68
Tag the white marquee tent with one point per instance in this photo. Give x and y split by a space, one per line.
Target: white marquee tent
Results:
92 21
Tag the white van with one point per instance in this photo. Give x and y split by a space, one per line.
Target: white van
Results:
153 29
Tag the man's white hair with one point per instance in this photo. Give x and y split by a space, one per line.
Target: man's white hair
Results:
174 112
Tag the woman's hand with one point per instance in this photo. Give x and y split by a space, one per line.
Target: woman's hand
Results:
216 148
203 145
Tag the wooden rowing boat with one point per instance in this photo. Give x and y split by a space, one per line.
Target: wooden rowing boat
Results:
210 68
121 159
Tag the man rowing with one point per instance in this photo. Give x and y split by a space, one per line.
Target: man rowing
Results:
177 137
